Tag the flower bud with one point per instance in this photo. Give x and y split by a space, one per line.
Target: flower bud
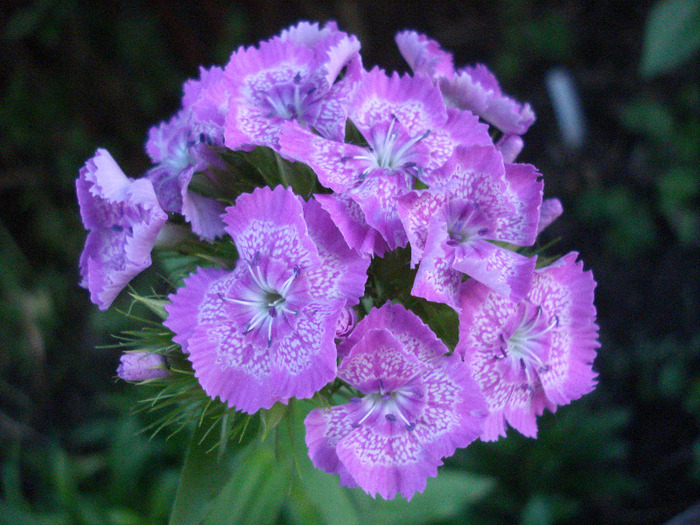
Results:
346 322
142 366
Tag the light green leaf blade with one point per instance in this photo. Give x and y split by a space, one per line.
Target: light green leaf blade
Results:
672 36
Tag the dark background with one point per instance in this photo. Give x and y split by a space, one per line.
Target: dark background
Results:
75 76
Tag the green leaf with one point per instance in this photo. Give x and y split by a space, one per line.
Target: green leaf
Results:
444 497
672 36
206 470
256 492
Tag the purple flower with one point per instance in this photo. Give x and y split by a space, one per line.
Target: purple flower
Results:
472 88
409 134
533 354
346 323
418 405
123 219
549 212
142 366
293 77
450 227
265 331
183 146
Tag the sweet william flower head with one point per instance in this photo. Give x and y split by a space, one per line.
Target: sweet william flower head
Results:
533 354
417 406
265 331
123 219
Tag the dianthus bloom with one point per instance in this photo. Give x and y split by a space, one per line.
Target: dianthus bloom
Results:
418 405
451 227
293 77
533 354
123 219
409 134
265 331
473 88
180 148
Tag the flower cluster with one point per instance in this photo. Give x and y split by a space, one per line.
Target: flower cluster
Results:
311 168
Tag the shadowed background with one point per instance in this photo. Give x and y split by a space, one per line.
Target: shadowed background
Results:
75 76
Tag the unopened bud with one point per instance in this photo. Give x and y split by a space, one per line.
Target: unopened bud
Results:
346 322
142 366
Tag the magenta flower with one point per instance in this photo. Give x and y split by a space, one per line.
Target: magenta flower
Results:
472 88
451 227
142 366
533 354
123 219
550 211
409 134
293 77
183 146
265 331
418 406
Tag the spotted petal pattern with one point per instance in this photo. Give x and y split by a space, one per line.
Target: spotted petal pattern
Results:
481 199
419 405
409 135
265 331
533 354
123 219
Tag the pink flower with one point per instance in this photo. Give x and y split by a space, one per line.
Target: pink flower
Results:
123 219
418 405
409 134
472 88
451 226
264 332
533 354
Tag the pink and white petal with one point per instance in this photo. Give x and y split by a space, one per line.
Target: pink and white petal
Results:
190 301
387 464
502 270
416 209
454 409
342 273
305 360
414 101
378 362
477 90
343 51
460 129
437 281
415 336
477 174
271 222
229 366
350 220
566 291
378 198
325 157
525 193
423 55
324 429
